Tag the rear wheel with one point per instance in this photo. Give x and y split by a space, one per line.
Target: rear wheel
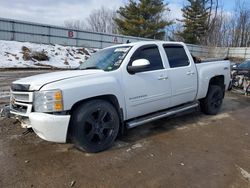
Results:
95 125
213 101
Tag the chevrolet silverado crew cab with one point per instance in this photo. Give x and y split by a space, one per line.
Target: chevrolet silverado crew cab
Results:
118 87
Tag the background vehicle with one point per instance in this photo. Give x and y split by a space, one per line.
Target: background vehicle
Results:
118 87
242 66
241 76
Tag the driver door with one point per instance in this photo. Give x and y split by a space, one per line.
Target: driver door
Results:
148 90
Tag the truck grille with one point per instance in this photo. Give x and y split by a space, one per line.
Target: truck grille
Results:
21 103
19 108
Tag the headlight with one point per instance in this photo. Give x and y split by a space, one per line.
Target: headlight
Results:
48 101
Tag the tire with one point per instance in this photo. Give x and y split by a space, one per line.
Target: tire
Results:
213 101
95 126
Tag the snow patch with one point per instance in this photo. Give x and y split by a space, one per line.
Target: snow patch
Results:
11 55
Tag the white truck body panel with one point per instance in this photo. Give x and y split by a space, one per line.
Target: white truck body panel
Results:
50 127
206 71
77 89
137 94
145 92
37 81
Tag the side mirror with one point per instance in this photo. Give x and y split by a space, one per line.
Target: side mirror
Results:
138 66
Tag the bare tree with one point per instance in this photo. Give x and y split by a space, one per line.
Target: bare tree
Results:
102 20
239 26
229 29
213 19
218 29
99 20
75 24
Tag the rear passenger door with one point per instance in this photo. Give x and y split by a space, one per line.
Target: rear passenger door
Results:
149 90
182 74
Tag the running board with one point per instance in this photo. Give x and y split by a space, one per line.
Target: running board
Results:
159 115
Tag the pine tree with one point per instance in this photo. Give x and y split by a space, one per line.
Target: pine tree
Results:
143 18
195 21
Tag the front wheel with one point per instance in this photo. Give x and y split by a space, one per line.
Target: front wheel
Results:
95 125
213 101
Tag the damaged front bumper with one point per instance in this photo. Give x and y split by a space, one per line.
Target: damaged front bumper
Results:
48 127
5 112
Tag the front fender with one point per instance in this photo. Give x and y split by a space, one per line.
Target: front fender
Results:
78 89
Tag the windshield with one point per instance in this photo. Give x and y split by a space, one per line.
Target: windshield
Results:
245 65
108 59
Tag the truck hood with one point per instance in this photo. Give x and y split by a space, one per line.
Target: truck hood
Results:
36 82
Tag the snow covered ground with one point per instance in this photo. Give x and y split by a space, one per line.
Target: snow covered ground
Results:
21 55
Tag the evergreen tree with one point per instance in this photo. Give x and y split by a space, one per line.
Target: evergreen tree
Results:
195 21
143 18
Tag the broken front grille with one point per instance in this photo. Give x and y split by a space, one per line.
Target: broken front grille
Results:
21 103
26 97
19 108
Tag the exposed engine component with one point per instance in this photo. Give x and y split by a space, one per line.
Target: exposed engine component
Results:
241 81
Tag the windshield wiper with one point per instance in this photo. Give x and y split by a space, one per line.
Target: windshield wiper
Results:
93 67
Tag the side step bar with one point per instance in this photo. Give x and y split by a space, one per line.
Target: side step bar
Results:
159 115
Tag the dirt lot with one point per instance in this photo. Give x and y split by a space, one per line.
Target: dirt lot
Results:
190 151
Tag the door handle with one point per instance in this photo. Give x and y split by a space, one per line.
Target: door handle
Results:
190 73
163 77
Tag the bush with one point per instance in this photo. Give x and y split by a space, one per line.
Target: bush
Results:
39 56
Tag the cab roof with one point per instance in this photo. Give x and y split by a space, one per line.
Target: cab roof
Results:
141 43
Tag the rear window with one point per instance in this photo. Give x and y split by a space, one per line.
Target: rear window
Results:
245 65
177 56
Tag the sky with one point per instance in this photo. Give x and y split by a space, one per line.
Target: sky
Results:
56 12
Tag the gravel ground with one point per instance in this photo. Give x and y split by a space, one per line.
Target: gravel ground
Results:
191 151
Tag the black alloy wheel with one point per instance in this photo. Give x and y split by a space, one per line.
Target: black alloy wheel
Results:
212 103
95 125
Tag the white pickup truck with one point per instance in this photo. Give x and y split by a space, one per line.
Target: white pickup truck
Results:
119 87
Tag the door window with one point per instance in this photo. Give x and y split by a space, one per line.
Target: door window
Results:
177 56
152 54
